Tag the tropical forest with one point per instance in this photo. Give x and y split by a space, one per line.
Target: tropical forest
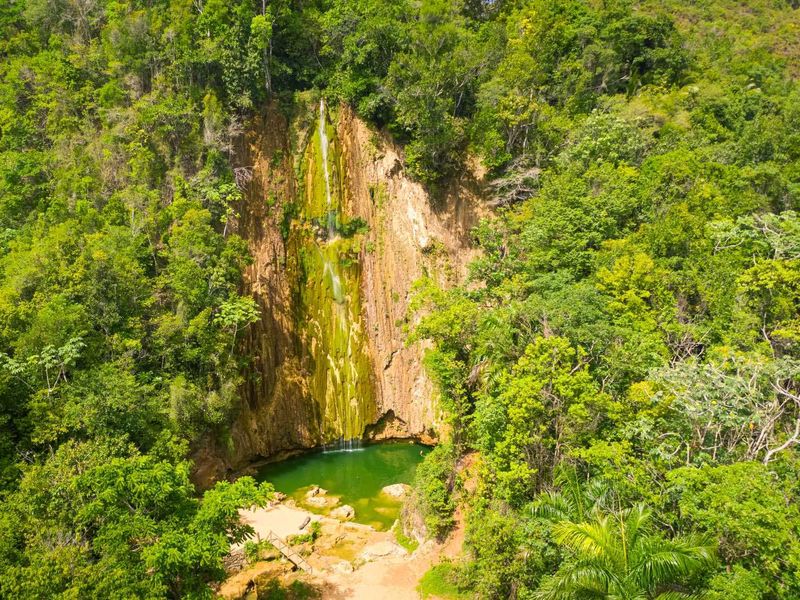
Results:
400 299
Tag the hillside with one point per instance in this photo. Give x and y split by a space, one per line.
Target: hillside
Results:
559 239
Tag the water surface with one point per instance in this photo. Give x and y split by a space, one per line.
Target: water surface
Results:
355 476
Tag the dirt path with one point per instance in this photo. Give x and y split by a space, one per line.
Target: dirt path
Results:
387 578
392 577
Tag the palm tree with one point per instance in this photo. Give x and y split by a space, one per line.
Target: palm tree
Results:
619 557
571 499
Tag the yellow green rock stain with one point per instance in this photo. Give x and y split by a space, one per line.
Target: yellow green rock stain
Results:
328 294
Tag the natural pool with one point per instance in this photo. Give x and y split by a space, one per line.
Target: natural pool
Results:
356 477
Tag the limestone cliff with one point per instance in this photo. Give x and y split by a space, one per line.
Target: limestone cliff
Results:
409 236
338 234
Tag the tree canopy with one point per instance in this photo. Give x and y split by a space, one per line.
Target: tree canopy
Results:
633 317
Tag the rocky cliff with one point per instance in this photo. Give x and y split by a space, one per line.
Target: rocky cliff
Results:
338 234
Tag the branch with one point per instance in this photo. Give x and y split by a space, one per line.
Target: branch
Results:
792 440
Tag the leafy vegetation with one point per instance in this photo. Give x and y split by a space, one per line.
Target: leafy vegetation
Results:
624 357
437 583
314 531
119 303
434 484
409 543
616 556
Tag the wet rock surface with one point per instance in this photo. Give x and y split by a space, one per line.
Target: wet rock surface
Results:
397 490
406 236
343 513
318 498
381 550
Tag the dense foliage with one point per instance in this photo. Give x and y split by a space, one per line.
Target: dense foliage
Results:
634 319
119 309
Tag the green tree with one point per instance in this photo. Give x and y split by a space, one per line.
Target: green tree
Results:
571 499
619 556
504 556
100 519
432 83
752 513
434 483
546 403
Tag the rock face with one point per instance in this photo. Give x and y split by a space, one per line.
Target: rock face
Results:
412 235
338 236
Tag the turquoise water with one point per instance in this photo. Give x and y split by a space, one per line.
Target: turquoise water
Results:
355 476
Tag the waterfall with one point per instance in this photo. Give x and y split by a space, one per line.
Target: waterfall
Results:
336 281
323 143
330 315
344 445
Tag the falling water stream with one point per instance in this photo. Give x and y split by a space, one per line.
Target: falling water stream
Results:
337 360
336 281
324 143
341 379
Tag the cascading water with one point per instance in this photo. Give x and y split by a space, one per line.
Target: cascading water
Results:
324 143
336 281
330 300
343 445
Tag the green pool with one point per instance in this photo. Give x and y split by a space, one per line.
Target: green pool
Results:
354 476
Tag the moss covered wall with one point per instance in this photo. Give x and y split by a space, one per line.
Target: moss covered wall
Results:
325 250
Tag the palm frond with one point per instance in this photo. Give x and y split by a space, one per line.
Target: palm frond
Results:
634 521
552 506
584 580
598 492
676 595
588 540
658 561
570 483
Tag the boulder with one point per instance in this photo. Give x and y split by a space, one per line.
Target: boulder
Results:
397 490
315 491
318 498
322 501
343 513
381 550
343 567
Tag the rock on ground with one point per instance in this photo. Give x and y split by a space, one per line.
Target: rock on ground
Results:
321 501
343 567
318 498
382 550
316 491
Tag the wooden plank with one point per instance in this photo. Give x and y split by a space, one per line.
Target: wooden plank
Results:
290 554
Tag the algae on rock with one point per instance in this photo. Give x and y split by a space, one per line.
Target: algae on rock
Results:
328 293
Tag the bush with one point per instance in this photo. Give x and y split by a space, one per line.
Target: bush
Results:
441 581
433 487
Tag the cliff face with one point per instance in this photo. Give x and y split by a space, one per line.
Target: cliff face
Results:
409 236
338 235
